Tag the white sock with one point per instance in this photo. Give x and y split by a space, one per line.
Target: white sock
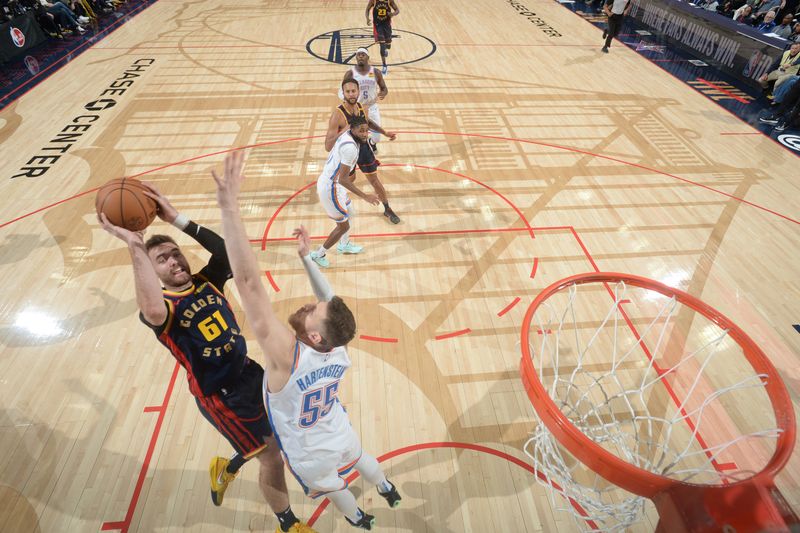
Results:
371 471
345 238
346 503
321 252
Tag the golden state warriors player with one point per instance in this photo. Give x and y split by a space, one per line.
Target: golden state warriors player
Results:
383 11
192 318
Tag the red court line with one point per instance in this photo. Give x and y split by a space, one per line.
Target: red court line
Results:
126 523
723 91
202 46
153 409
607 158
476 135
656 367
272 281
459 446
535 267
4 224
452 334
495 191
509 307
407 234
280 208
377 339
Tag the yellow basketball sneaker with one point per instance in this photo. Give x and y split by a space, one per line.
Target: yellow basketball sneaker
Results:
220 478
300 527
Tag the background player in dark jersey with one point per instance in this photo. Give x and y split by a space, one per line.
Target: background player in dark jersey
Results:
192 318
382 13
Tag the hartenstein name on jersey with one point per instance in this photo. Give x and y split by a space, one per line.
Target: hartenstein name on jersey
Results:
330 371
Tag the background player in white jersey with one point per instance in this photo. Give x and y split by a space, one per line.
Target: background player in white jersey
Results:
303 368
332 186
371 88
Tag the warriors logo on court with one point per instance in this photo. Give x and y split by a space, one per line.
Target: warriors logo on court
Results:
18 37
339 46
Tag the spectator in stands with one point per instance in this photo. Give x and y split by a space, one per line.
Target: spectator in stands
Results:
728 7
782 91
768 24
785 115
64 16
767 6
795 36
784 68
743 14
784 29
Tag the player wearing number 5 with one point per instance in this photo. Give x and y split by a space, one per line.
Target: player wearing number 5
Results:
303 367
192 318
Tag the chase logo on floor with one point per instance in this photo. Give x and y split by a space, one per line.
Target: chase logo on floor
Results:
339 46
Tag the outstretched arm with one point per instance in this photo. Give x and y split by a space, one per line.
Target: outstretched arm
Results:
275 339
319 284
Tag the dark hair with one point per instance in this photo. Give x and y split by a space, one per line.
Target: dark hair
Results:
340 326
155 240
356 121
350 80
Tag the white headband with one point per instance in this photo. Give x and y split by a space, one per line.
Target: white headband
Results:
364 50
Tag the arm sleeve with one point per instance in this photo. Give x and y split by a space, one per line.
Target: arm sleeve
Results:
348 154
322 288
218 269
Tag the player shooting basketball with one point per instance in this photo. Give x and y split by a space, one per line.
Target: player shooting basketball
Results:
304 366
192 318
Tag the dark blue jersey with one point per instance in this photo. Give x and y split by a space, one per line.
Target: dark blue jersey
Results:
201 330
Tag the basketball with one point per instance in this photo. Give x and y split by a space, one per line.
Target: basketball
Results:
124 203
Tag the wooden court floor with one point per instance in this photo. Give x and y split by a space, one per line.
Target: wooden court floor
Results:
523 156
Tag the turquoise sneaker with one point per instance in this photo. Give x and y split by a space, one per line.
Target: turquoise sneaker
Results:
321 260
349 248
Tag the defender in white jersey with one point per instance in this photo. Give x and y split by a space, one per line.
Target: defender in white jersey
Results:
332 187
371 88
303 368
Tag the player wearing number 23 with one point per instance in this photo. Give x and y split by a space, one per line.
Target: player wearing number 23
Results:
191 317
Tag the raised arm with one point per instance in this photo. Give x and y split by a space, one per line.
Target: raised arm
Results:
218 270
275 339
149 297
319 284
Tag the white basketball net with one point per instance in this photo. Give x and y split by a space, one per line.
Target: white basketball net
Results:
616 389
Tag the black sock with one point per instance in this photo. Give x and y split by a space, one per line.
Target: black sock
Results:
287 519
385 206
236 463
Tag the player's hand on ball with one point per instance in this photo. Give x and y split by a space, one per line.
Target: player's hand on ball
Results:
303 241
230 182
130 237
165 212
